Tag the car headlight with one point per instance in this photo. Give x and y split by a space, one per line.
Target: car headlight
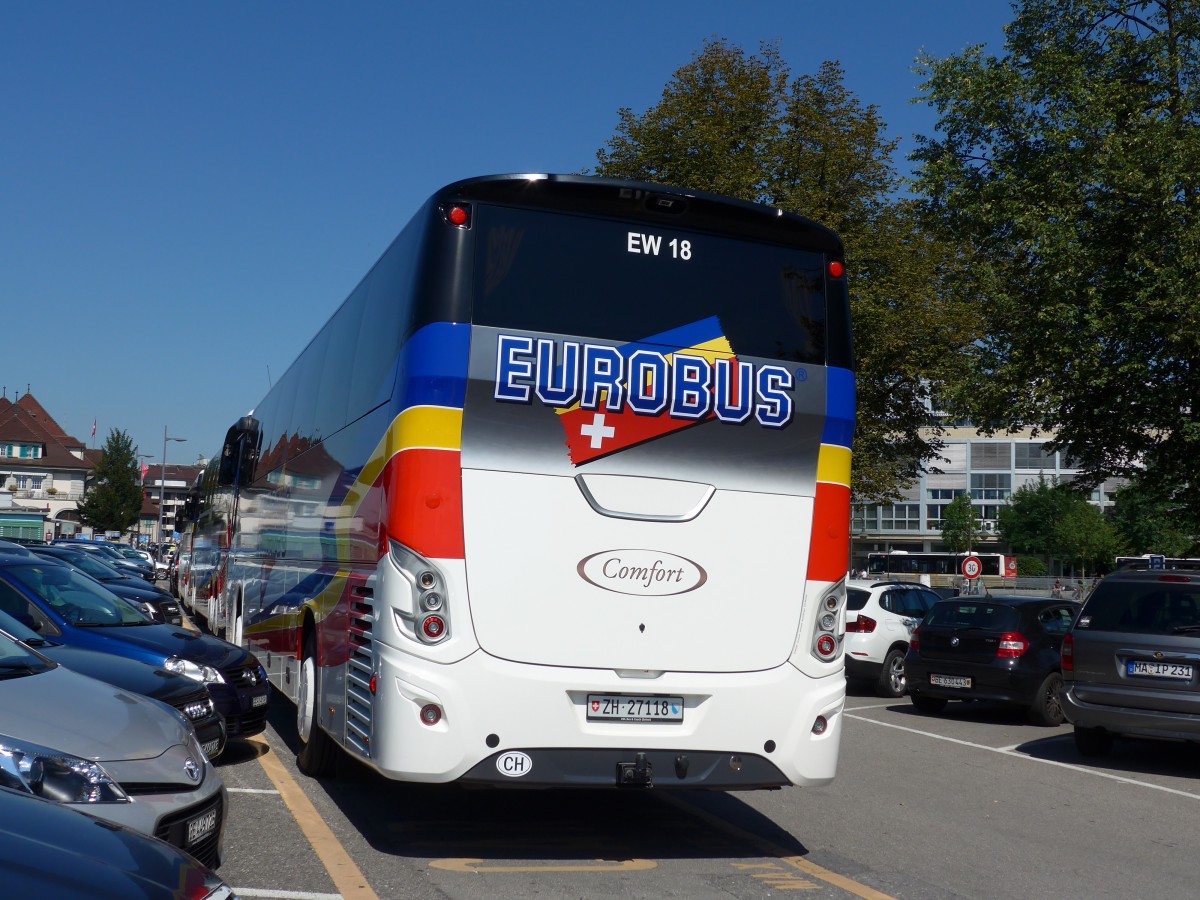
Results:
49 773
195 671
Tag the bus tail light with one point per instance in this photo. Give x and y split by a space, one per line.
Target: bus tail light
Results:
428 613
827 639
433 628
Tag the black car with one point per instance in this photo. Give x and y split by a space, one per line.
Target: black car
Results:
112 555
50 850
166 607
1131 664
1004 649
184 694
63 604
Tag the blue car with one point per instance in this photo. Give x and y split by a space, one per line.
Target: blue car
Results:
68 607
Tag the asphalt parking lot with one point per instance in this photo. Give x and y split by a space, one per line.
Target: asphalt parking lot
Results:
972 803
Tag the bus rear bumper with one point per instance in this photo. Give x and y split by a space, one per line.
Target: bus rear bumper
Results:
513 724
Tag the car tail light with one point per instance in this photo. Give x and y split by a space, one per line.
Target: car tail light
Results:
1012 645
1068 654
861 625
914 642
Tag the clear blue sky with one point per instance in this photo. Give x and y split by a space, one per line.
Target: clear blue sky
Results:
188 190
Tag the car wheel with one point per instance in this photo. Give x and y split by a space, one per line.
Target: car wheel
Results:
1093 741
924 704
1046 708
318 752
891 680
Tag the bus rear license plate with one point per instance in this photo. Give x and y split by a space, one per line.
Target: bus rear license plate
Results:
201 827
623 708
950 681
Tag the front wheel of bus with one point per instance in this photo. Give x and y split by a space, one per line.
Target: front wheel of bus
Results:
318 752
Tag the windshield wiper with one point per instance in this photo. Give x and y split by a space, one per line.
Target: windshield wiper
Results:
16 669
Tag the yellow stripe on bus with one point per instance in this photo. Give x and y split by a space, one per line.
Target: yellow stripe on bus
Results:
833 465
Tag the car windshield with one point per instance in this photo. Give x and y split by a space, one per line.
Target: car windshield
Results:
17 660
973 614
1145 607
74 596
93 566
19 630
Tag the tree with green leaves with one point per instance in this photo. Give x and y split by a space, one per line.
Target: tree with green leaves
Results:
1027 521
114 498
1066 168
960 525
740 124
1084 537
1148 522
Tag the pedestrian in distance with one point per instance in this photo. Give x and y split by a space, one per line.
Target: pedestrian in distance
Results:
1077 594
1057 591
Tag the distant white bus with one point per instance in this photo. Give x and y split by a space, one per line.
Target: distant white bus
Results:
558 497
903 562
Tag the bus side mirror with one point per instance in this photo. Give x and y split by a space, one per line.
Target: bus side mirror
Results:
239 454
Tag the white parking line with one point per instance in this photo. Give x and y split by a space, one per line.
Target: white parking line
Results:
284 895
1007 751
252 791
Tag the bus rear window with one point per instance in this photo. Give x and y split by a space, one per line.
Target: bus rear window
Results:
621 281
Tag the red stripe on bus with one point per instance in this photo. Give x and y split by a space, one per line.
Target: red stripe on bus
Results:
424 497
829 551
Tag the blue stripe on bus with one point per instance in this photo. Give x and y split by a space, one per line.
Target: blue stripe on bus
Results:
839 407
434 366
683 337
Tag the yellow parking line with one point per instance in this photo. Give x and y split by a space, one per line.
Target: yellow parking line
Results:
346 876
476 865
849 885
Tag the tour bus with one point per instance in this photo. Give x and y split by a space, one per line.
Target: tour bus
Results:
559 496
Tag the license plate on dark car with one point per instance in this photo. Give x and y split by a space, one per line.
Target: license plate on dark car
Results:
1158 669
951 681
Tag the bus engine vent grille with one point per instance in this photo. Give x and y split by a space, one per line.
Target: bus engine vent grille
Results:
359 699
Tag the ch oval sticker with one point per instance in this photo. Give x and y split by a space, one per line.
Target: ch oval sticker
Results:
642 573
514 764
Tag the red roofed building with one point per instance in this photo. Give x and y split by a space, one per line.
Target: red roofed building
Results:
43 471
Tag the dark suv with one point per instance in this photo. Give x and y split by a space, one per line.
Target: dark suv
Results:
1131 663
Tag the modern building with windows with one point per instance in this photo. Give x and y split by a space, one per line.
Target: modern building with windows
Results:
989 469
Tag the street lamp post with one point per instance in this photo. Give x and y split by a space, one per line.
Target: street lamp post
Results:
141 457
162 483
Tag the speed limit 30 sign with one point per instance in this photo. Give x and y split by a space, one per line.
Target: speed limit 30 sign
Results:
971 567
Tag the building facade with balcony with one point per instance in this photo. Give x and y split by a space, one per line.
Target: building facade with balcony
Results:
988 469
43 470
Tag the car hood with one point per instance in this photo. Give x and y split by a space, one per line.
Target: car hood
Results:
170 640
72 713
49 850
139 677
